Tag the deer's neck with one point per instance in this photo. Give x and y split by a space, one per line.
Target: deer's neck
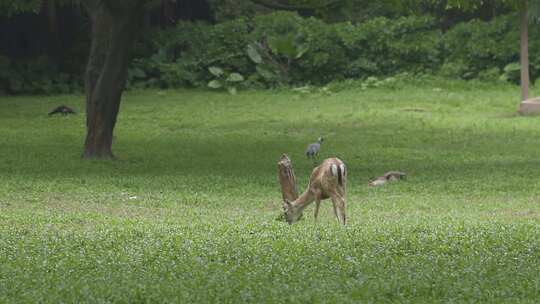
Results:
302 201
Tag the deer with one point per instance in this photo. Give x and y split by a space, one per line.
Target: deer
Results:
328 180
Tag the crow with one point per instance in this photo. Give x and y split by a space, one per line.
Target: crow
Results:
64 110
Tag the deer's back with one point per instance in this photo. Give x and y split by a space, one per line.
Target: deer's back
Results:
324 180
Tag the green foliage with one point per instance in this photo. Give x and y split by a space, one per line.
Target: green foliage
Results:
283 48
455 69
472 4
326 59
9 8
35 76
224 80
276 45
382 46
476 45
511 72
181 56
491 75
231 9
275 55
396 82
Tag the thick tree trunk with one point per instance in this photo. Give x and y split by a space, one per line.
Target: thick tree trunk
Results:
101 37
524 52
106 73
287 179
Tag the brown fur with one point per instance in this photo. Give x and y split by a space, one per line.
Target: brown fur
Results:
323 184
387 177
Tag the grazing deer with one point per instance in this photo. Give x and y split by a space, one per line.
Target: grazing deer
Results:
328 180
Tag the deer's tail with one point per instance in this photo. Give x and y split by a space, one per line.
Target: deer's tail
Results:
339 171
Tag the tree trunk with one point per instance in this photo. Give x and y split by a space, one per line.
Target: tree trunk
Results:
524 52
169 13
106 73
287 179
53 29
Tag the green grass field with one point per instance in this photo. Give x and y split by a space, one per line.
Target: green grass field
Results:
187 214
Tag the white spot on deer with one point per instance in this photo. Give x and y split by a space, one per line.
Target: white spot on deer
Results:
333 169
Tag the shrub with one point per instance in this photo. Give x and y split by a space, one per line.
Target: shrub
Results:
383 47
180 56
476 46
511 72
491 75
301 52
225 80
35 76
326 58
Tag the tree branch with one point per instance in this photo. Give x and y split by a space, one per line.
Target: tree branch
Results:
91 5
287 179
280 6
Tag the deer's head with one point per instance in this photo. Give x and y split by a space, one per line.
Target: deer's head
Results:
290 213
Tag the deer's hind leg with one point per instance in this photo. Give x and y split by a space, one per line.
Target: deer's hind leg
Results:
339 208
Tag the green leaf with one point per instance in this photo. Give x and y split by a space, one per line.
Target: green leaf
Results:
265 73
136 73
216 71
301 50
254 54
215 84
232 90
235 77
512 67
283 45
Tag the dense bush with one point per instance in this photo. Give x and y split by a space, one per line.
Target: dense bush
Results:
382 46
475 47
301 51
182 55
231 9
35 76
326 58
377 47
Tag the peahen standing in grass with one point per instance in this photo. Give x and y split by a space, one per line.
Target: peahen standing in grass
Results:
313 149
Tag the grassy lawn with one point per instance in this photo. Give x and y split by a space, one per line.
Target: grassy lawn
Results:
188 211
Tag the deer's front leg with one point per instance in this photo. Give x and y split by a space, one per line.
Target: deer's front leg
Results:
317 206
339 208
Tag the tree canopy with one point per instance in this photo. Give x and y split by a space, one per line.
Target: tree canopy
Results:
11 7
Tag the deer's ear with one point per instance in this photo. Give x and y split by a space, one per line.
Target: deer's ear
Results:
286 205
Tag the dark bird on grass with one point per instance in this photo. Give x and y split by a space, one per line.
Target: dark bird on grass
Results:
64 110
313 149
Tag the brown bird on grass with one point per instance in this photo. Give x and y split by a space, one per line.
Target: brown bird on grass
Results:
387 177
